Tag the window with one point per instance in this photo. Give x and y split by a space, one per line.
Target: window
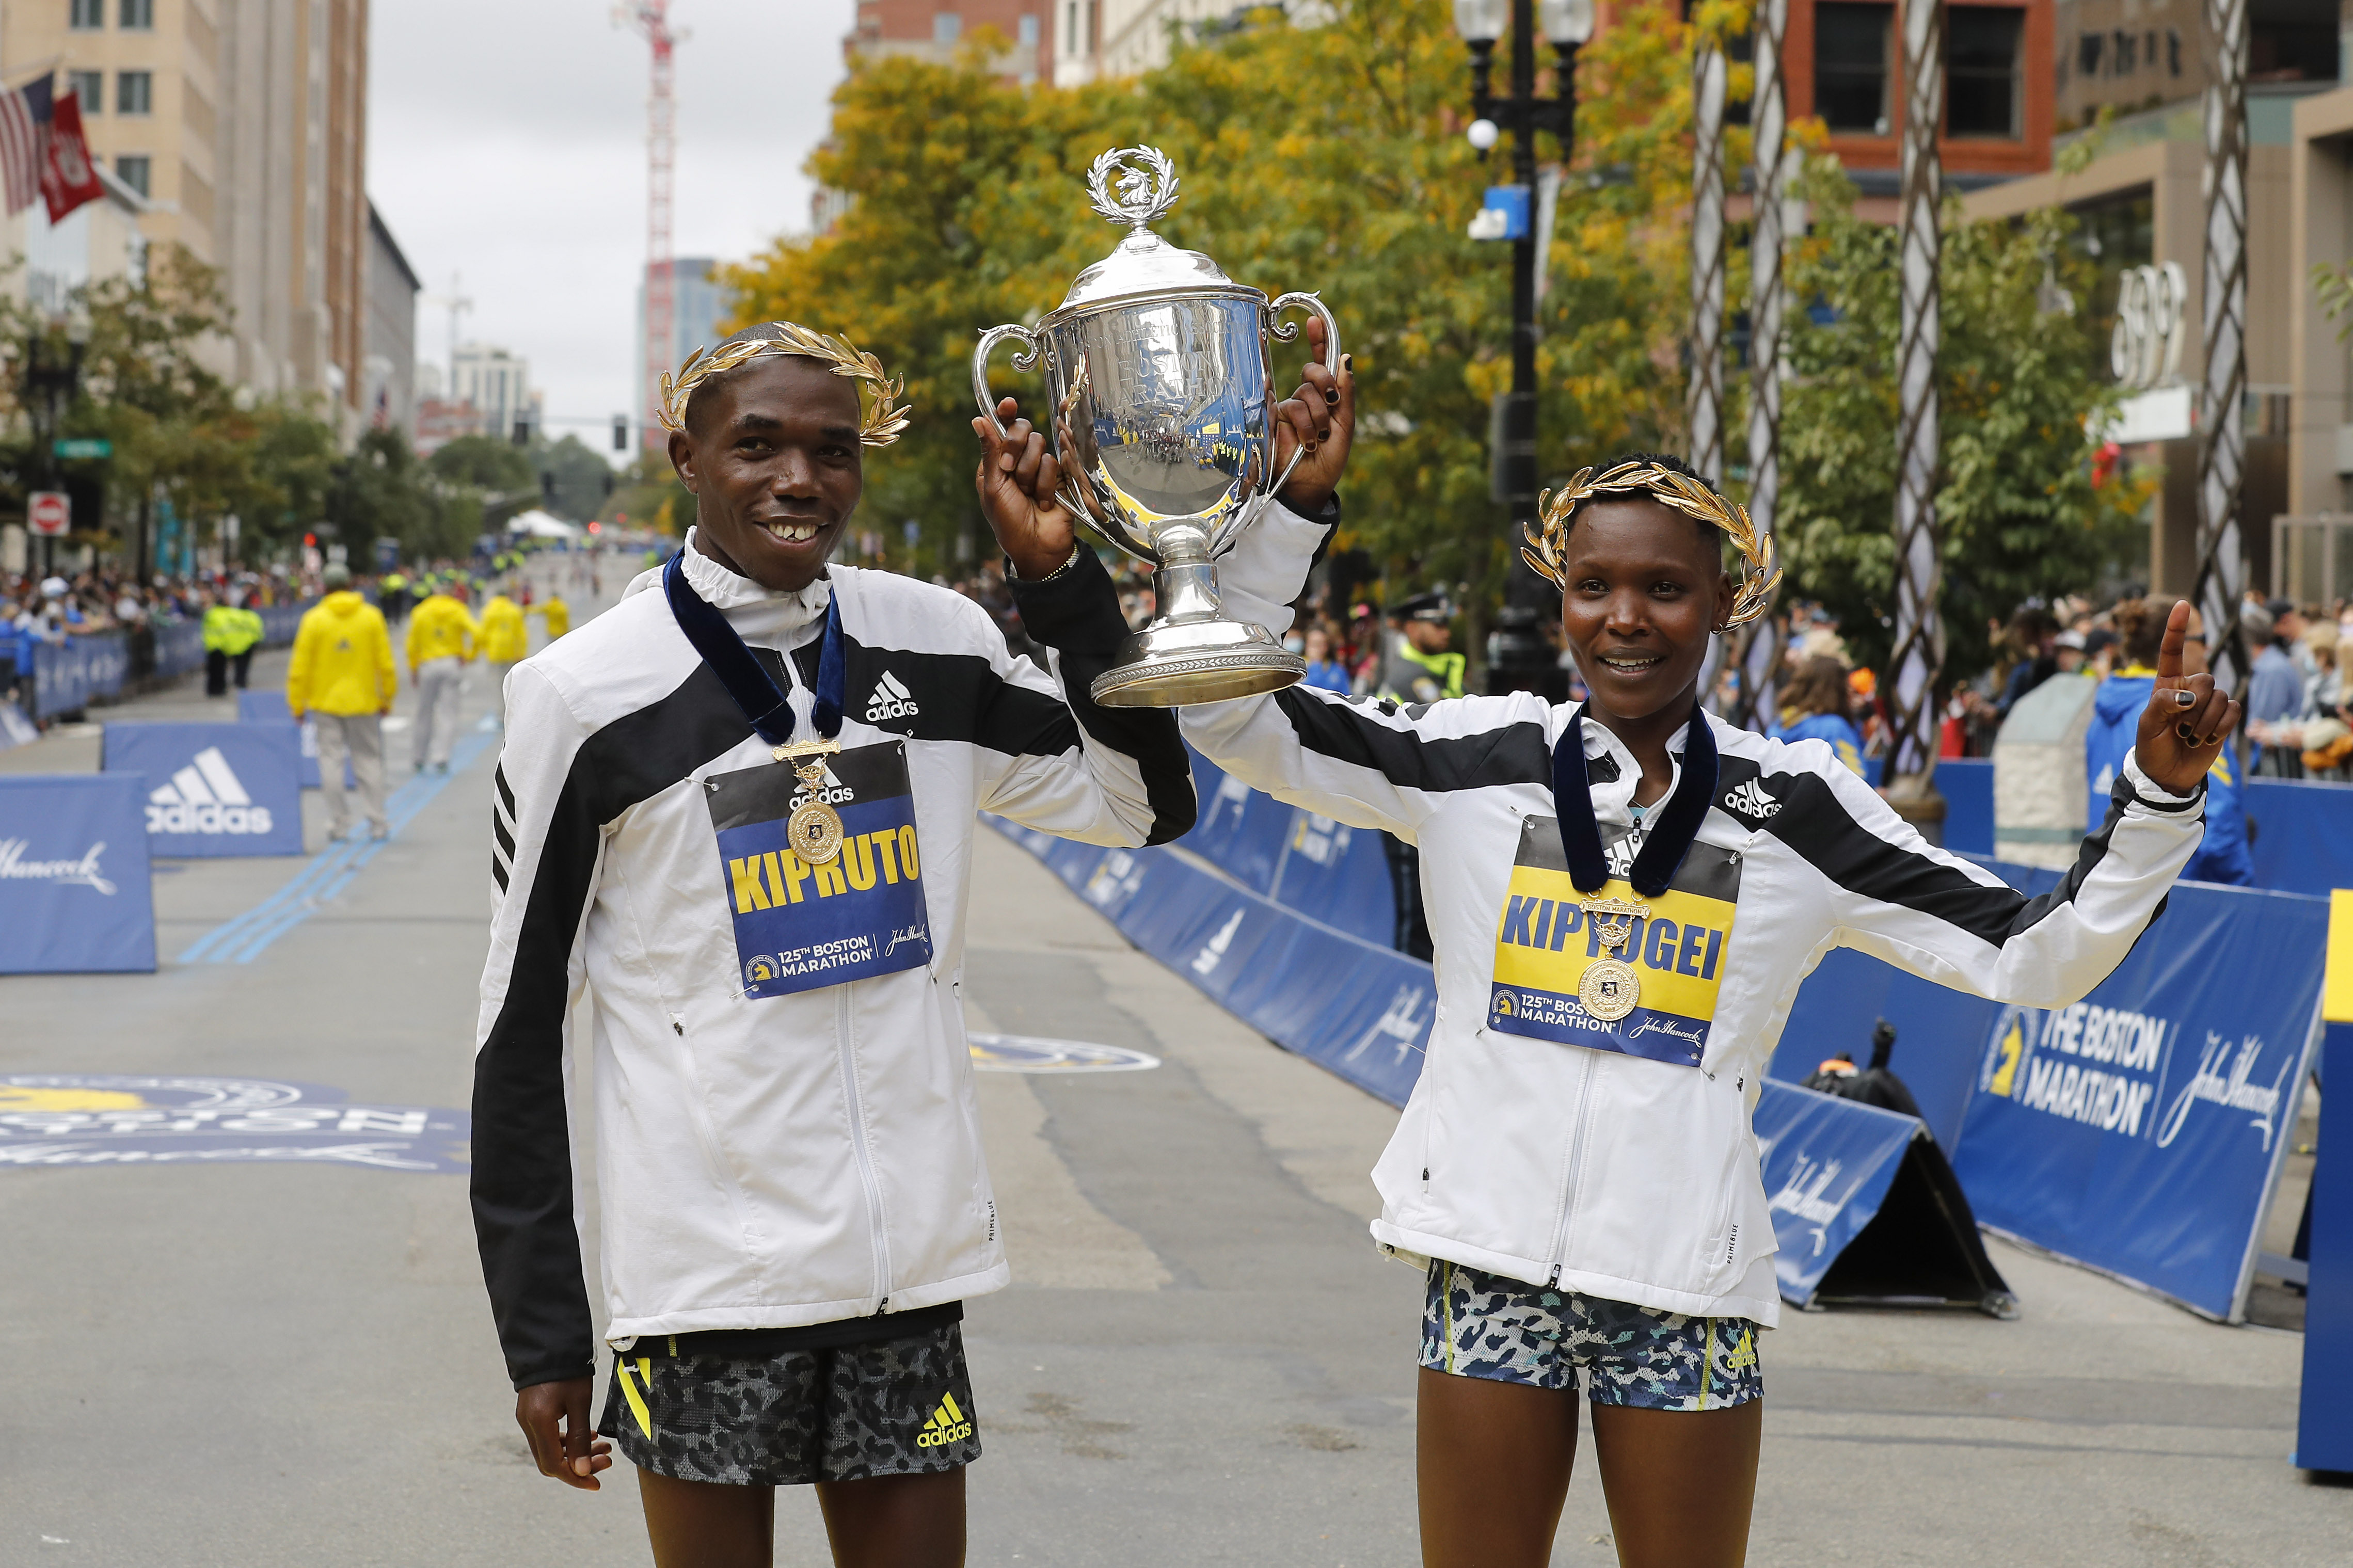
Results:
1850 67
137 15
946 27
134 92
2089 46
86 15
1071 27
89 87
1029 31
132 171
1983 95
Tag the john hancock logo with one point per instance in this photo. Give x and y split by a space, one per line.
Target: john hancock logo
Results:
81 873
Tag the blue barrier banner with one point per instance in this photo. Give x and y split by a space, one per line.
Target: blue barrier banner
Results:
179 648
2302 832
66 675
1325 869
1367 1019
1827 1165
2141 1130
74 890
270 708
1967 785
50 1120
214 789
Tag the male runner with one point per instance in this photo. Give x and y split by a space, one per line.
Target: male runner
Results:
734 813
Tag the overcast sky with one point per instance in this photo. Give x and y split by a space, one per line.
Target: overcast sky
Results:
506 143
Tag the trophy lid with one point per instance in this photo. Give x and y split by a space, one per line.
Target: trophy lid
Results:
1134 185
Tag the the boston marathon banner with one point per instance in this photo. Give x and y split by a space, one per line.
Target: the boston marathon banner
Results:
214 789
74 890
68 676
1327 870
2141 1130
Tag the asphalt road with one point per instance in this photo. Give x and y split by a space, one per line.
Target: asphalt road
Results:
1202 1359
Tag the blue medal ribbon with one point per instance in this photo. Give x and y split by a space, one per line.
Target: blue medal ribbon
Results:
1669 841
764 707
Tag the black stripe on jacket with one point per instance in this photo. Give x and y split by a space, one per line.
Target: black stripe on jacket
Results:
1817 825
522 1184
1077 616
1345 730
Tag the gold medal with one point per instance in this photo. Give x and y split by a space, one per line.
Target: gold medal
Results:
814 827
1609 989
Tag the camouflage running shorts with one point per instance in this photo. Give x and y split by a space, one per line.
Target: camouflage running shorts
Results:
1483 1325
844 1413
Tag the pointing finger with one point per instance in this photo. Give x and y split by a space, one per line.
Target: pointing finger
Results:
2169 651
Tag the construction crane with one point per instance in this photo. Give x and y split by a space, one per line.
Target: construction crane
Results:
457 305
650 20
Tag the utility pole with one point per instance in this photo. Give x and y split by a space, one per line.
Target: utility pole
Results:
650 20
457 305
1522 660
1759 650
1704 398
2221 404
1919 654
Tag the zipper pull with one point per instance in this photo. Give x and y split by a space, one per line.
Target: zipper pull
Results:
1554 1282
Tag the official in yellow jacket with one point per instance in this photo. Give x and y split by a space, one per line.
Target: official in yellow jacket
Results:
557 614
506 642
442 636
342 679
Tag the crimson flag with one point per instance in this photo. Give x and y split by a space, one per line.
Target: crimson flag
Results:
66 179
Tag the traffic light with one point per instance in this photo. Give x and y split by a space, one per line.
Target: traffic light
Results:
620 431
547 486
608 483
523 432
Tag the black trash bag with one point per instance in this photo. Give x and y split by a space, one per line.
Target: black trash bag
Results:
1874 1085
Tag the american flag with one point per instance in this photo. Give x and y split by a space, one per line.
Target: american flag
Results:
24 116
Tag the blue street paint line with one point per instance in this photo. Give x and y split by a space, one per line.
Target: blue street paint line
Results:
245 937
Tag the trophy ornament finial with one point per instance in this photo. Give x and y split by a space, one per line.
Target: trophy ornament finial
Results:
1134 185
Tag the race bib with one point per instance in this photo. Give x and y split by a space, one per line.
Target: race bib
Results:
1612 971
801 924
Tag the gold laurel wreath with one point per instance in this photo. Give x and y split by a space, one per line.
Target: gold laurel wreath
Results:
880 423
1759 577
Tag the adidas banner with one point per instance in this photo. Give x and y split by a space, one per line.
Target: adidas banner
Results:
214 789
270 708
74 892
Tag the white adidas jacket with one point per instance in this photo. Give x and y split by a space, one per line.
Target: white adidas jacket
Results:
1590 1170
780 1160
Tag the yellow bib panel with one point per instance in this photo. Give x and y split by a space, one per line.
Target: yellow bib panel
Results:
1612 970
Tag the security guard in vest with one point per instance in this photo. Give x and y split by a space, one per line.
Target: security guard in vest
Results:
392 597
1414 664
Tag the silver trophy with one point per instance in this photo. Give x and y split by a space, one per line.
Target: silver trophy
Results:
1159 380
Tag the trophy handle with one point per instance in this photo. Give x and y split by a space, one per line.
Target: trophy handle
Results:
1285 334
1024 360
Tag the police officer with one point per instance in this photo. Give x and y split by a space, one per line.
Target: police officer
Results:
1415 663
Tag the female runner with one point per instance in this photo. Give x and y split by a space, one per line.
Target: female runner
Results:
1624 896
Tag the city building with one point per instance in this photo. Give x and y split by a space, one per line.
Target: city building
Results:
98 240
699 304
933 29
242 124
439 422
2141 208
388 393
495 381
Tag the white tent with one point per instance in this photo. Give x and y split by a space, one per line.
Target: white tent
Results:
544 525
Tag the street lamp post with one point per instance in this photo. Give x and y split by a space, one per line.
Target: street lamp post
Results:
1521 659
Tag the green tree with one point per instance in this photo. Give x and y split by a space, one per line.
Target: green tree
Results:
576 476
2025 509
1327 159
